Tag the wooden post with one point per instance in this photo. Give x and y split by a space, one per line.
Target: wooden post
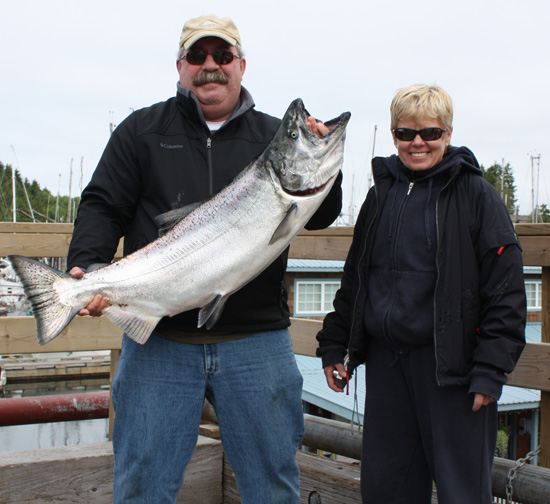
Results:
115 356
544 459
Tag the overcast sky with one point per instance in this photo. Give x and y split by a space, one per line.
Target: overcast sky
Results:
68 68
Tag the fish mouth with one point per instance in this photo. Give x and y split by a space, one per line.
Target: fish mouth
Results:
336 125
308 192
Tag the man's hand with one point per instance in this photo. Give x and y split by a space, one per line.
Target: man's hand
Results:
330 377
97 305
481 400
318 128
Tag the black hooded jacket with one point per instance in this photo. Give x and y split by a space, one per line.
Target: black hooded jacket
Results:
434 260
165 157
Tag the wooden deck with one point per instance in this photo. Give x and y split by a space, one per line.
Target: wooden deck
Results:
90 470
83 474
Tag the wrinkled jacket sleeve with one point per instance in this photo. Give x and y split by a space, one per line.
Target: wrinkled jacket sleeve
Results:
501 333
108 202
330 208
334 337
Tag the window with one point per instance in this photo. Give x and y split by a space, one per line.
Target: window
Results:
314 297
533 289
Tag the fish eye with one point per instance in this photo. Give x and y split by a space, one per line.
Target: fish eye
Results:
293 134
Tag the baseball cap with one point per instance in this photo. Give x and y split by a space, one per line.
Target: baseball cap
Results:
209 25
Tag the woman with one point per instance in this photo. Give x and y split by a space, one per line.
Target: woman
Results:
433 301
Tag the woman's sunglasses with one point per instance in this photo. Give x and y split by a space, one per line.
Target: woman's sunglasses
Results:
427 134
199 57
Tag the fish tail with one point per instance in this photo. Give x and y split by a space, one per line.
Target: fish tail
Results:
50 314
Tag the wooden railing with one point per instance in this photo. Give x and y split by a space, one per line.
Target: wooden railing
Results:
17 334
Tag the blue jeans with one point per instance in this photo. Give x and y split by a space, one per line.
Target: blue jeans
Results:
158 392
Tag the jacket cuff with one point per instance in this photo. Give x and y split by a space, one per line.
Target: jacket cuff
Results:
330 357
487 380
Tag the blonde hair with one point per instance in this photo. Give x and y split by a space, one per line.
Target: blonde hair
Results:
420 101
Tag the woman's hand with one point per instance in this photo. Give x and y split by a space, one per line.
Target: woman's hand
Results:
331 382
481 400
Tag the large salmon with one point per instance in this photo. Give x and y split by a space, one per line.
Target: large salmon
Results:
211 250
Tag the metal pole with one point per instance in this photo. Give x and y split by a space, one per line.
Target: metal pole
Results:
333 436
57 408
530 486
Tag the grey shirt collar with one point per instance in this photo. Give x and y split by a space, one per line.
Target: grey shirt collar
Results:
245 103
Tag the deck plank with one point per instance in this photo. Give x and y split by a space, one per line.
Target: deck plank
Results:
84 474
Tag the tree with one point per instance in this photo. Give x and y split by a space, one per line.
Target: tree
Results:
42 202
501 177
542 214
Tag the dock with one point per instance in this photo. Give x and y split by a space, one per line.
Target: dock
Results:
83 473
25 369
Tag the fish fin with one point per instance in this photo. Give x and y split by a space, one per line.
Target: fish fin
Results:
285 227
50 314
210 313
166 221
136 326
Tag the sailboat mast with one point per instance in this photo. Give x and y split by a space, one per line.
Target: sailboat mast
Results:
24 190
31 210
81 173
534 188
69 207
57 200
14 197
369 170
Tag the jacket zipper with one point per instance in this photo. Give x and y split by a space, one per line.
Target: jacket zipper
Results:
210 169
394 257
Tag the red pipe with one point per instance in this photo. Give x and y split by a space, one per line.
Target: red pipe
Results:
54 408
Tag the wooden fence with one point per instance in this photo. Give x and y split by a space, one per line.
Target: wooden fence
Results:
17 334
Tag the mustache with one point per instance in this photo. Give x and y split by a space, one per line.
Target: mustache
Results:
207 77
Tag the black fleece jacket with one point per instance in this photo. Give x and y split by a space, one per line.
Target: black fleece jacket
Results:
440 266
164 157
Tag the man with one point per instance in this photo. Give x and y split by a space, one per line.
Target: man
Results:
166 156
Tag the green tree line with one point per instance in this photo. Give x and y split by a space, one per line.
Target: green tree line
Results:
501 176
541 214
41 203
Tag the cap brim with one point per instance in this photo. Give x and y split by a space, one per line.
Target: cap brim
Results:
189 42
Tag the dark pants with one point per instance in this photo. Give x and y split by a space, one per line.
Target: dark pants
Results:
416 433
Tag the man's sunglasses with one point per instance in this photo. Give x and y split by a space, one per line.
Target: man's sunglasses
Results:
427 134
199 57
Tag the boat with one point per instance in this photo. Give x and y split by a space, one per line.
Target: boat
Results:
13 301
